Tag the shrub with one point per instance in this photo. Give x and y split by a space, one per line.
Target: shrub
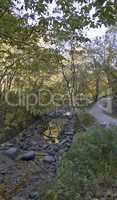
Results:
86 118
91 163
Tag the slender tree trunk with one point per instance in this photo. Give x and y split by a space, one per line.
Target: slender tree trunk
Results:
97 89
112 82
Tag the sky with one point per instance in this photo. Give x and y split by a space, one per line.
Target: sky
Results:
93 33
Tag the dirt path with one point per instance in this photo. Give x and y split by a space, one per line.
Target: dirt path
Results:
98 112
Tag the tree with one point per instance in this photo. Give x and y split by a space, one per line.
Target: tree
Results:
104 51
23 24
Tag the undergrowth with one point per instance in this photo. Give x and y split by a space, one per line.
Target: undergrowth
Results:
89 166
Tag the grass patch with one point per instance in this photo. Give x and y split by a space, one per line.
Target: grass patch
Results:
89 167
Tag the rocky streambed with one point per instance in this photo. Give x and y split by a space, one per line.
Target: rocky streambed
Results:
29 161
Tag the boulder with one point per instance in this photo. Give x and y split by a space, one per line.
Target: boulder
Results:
6 145
34 196
103 124
49 159
30 155
11 152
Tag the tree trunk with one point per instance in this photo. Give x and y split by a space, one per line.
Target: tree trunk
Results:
112 82
114 100
97 89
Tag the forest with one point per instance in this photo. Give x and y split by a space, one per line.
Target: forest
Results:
58 100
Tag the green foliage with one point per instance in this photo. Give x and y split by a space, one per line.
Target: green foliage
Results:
86 118
27 66
17 119
13 120
75 16
106 11
91 163
24 64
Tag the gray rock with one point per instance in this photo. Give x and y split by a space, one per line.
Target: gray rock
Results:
61 151
11 152
63 142
69 115
103 124
30 155
68 133
49 159
34 196
6 145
